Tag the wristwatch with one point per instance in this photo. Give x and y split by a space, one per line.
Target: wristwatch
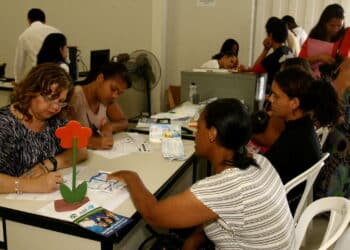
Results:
54 163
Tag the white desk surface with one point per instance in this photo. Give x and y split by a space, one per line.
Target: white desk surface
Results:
153 169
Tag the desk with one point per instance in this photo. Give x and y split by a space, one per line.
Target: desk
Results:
24 226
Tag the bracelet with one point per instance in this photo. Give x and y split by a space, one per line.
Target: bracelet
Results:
54 163
17 186
44 167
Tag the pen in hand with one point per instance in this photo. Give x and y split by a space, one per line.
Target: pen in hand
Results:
95 130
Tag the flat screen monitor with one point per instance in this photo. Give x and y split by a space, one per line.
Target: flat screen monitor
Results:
98 58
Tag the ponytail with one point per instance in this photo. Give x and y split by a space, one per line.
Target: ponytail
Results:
233 124
242 160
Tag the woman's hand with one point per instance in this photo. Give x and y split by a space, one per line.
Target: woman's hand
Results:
107 129
103 142
267 43
121 175
47 183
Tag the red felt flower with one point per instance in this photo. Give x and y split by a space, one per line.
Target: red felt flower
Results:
73 129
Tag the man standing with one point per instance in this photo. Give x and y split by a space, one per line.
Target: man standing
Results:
299 32
30 42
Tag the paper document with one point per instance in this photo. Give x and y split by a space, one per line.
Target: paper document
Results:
132 143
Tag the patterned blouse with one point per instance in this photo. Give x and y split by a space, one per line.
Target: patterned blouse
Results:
22 148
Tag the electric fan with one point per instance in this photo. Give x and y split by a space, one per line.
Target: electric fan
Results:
145 71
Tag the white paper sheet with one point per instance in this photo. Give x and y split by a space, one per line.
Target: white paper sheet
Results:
124 146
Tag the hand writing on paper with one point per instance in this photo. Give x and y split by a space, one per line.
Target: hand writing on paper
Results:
104 142
107 129
48 182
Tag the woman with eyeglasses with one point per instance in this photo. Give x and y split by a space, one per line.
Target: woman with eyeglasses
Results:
93 104
30 153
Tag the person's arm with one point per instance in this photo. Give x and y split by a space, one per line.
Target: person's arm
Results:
258 68
43 184
64 159
178 211
117 120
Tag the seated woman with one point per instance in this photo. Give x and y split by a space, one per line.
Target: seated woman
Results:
222 60
301 102
230 44
54 50
244 197
93 105
323 41
30 152
269 127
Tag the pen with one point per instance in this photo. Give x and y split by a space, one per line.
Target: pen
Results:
95 129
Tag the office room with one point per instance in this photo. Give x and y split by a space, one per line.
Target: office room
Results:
136 165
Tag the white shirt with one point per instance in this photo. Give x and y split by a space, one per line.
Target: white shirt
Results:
252 208
300 34
293 43
211 64
28 46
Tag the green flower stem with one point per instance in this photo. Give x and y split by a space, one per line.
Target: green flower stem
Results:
74 163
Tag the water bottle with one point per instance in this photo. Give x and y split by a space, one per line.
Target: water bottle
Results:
193 96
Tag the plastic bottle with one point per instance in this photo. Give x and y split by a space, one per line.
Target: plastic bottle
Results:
192 93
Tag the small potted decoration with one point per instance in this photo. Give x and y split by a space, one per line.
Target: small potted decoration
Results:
73 136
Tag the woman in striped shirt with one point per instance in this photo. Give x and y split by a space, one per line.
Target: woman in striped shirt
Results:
242 206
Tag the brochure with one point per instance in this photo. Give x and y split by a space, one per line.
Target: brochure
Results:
102 221
159 131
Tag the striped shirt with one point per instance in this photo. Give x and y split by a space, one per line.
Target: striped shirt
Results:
252 208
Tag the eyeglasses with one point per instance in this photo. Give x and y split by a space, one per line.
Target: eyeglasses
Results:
52 101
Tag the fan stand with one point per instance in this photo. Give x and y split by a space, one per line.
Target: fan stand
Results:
148 92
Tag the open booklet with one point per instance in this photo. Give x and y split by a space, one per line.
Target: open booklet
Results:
101 221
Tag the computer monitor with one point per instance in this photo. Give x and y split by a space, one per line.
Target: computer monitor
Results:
98 58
